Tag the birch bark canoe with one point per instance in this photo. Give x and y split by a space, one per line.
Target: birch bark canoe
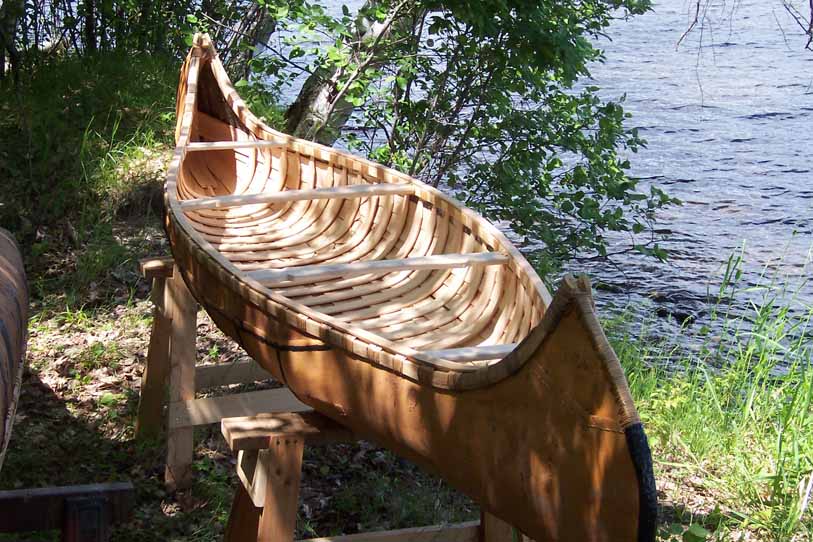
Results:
455 356
13 333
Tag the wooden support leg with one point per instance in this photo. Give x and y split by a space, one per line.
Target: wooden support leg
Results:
493 529
244 518
156 371
182 309
282 463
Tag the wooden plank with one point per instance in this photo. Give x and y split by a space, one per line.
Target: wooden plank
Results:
223 374
472 353
182 310
343 192
458 532
257 432
43 509
282 464
316 272
156 369
493 529
156 267
227 145
214 409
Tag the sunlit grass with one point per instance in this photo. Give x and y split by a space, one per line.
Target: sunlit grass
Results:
735 444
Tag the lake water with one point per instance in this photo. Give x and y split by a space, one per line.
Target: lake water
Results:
727 116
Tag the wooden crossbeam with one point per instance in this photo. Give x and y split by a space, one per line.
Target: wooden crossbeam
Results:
257 432
352 191
227 145
473 353
314 272
206 410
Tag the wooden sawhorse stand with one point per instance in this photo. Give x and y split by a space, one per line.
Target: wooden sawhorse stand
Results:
265 504
269 451
171 363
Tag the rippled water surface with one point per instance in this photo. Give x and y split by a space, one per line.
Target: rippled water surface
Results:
728 125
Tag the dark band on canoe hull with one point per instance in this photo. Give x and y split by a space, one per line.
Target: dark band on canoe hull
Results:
648 493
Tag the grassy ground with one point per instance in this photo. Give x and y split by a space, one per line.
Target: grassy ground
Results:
83 149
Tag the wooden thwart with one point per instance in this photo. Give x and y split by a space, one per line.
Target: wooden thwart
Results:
315 272
226 145
342 192
472 353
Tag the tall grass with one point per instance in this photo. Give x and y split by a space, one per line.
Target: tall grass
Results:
81 141
731 424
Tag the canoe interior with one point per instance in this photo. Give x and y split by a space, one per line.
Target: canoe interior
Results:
13 321
485 309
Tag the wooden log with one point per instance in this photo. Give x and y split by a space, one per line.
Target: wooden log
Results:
244 518
156 267
223 374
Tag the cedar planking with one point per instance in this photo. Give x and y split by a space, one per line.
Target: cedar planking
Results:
544 435
13 333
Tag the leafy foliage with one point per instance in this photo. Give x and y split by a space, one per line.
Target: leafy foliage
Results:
483 98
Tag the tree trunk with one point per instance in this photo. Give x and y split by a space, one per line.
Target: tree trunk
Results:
320 111
255 28
10 10
90 25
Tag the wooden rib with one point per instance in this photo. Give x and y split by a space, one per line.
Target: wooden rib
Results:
375 295
344 192
407 239
472 353
416 304
455 302
355 230
470 321
370 283
227 145
434 240
444 261
314 222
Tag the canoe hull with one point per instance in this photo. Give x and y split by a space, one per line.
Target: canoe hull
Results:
550 449
13 323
